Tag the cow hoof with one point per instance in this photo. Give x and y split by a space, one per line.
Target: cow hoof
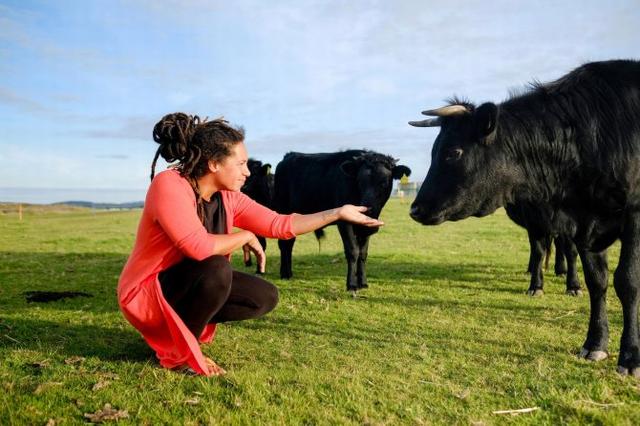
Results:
259 273
354 293
536 292
560 272
593 355
248 263
634 372
574 292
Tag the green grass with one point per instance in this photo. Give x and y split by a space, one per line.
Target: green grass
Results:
444 335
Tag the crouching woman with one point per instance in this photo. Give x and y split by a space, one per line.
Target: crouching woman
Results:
178 283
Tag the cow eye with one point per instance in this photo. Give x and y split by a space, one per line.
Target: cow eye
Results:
454 154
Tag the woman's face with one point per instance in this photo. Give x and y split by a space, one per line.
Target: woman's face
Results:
231 173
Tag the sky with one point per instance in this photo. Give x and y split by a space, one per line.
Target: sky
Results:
83 83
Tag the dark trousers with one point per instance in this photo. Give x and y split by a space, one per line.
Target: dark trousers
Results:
210 291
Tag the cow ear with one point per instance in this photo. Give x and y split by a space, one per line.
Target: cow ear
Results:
486 117
350 168
399 171
265 169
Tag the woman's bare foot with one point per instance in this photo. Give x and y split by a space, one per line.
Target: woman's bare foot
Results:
214 368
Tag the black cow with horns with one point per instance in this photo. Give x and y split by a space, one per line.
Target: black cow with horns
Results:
307 183
572 145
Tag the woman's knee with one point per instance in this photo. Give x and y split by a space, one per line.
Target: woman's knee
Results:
270 298
217 271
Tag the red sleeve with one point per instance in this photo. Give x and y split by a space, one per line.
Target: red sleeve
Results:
172 204
254 217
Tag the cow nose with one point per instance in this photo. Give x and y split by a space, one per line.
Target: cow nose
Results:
415 212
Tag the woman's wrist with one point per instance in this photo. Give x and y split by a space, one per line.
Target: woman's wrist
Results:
331 215
248 236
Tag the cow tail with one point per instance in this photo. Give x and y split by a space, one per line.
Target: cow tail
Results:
319 236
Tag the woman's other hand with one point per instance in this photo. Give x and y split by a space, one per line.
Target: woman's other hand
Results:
253 246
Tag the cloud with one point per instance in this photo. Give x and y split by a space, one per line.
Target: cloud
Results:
410 146
309 76
137 127
29 166
113 157
14 100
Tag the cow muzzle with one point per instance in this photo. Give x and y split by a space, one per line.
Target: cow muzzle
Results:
418 214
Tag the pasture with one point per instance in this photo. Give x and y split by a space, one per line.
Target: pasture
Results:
444 335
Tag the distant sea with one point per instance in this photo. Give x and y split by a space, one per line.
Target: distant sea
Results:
59 195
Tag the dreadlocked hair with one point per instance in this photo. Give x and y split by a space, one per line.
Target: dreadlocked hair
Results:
192 143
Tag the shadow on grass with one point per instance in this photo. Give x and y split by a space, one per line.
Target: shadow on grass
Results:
97 274
108 344
92 273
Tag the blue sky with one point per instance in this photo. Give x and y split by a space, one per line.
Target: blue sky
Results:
82 83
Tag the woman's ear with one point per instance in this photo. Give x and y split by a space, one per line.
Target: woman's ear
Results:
213 166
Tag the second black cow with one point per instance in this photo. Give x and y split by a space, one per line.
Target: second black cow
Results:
259 186
307 183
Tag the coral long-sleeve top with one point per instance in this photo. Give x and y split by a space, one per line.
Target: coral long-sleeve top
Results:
169 231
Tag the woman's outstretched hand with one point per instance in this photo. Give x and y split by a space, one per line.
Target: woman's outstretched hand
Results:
303 223
355 214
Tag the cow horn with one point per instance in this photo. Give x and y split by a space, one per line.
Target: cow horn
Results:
429 122
447 111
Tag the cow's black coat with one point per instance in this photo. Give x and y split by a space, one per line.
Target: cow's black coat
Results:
308 183
571 145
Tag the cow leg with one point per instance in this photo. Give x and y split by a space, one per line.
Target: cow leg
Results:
538 251
263 243
560 267
571 253
361 273
531 266
286 250
596 275
351 252
246 257
626 281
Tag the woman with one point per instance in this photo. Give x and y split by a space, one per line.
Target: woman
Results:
178 282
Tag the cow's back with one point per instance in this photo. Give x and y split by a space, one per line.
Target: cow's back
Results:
600 104
307 183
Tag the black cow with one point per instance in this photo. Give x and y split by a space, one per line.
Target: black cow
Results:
543 226
308 183
259 186
570 145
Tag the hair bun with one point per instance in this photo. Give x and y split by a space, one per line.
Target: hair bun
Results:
174 132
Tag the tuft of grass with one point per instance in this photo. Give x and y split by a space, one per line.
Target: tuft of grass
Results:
445 334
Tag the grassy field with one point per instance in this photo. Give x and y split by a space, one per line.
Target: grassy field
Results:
444 335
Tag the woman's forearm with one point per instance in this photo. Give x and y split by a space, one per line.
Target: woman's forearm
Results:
224 244
303 223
